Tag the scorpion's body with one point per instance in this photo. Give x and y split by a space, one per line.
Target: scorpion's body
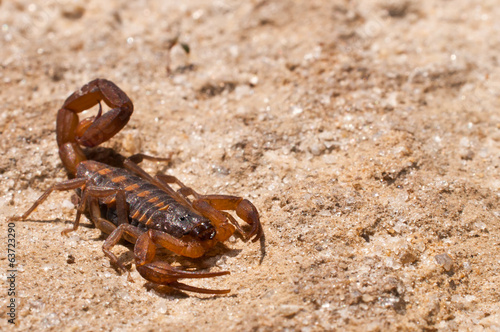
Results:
150 207
129 203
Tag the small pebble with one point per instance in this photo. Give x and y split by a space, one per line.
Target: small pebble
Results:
445 261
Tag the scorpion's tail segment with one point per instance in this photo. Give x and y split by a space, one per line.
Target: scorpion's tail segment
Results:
66 126
95 130
104 127
244 209
71 155
70 152
163 273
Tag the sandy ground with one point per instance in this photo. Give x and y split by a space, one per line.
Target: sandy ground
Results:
367 133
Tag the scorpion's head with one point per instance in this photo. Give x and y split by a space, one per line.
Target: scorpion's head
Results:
203 231
182 222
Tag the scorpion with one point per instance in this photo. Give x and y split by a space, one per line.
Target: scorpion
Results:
127 203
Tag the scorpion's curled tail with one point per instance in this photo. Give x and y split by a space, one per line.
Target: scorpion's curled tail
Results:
90 132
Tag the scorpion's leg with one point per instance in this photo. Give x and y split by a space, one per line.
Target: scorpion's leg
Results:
132 164
139 157
92 192
184 190
131 233
62 186
116 232
163 273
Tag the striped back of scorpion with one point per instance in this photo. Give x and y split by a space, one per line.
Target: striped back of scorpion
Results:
149 206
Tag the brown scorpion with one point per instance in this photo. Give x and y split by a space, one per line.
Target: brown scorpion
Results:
126 202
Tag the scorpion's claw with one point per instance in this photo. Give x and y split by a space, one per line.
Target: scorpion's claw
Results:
163 273
211 206
181 286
